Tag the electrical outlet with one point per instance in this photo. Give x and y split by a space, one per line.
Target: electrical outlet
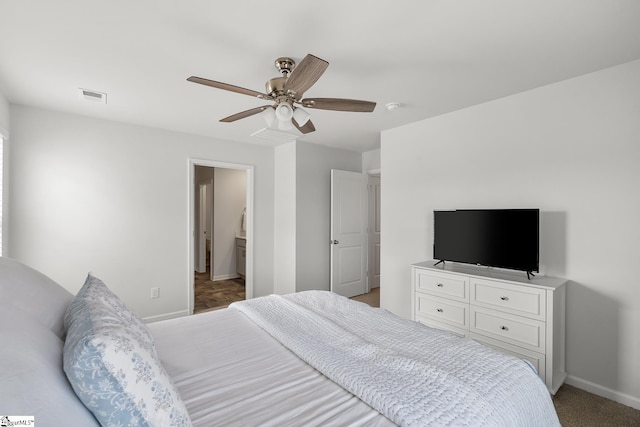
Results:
155 293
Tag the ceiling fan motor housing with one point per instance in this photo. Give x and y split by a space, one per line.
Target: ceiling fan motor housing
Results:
275 86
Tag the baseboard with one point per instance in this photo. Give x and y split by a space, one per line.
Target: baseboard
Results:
225 277
602 391
166 316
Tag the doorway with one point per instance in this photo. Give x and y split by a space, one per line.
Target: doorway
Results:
220 233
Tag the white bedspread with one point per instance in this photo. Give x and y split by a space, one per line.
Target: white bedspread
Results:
232 373
412 374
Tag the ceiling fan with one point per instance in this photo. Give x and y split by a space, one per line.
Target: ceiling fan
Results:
286 91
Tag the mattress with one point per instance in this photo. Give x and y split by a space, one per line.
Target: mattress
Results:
230 372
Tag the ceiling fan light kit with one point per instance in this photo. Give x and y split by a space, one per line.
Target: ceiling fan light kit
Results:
269 116
287 90
284 112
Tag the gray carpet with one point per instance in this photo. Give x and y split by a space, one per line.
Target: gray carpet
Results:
576 407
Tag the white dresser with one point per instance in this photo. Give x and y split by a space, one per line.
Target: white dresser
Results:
502 309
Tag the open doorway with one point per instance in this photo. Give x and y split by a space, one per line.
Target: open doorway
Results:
220 212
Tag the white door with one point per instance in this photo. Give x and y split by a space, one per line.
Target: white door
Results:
374 232
348 233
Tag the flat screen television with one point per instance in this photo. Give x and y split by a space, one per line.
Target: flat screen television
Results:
503 238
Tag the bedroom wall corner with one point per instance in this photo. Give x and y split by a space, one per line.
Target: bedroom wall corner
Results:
4 115
91 195
571 150
371 160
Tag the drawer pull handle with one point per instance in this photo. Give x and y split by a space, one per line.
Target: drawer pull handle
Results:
440 285
504 328
504 298
440 310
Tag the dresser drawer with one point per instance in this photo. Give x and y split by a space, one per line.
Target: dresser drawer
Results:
519 300
462 333
443 310
519 331
441 284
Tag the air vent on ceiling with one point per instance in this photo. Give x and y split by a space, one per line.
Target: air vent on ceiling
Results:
92 95
275 135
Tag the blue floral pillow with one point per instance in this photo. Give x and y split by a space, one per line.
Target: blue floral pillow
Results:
112 364
96 296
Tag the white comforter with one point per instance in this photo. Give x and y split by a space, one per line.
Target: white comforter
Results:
412 374
232 373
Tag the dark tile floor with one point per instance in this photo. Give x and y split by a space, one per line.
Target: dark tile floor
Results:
210 295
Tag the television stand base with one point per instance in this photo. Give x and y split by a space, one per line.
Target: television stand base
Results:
529 274
439 262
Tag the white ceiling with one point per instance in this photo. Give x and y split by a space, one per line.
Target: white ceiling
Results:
430 56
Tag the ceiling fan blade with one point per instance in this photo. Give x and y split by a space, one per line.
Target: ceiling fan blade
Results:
244 114
339 104
307 128
305 74
226 86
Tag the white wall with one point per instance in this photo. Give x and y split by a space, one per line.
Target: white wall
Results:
284 244
4 133
371 160
303 206
4 115
229 197
313 199
571 149
110 198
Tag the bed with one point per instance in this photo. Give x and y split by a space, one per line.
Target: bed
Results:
306 359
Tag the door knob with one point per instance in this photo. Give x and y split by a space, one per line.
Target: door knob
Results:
334 242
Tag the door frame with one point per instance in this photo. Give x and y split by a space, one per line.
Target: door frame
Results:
249 169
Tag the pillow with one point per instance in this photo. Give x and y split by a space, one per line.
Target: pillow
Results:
95 295
32 381
112 363
34 293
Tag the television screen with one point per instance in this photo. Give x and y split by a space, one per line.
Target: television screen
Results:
504 238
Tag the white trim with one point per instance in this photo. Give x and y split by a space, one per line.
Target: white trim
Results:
603 391
375 172
225 277
166 316
249 169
